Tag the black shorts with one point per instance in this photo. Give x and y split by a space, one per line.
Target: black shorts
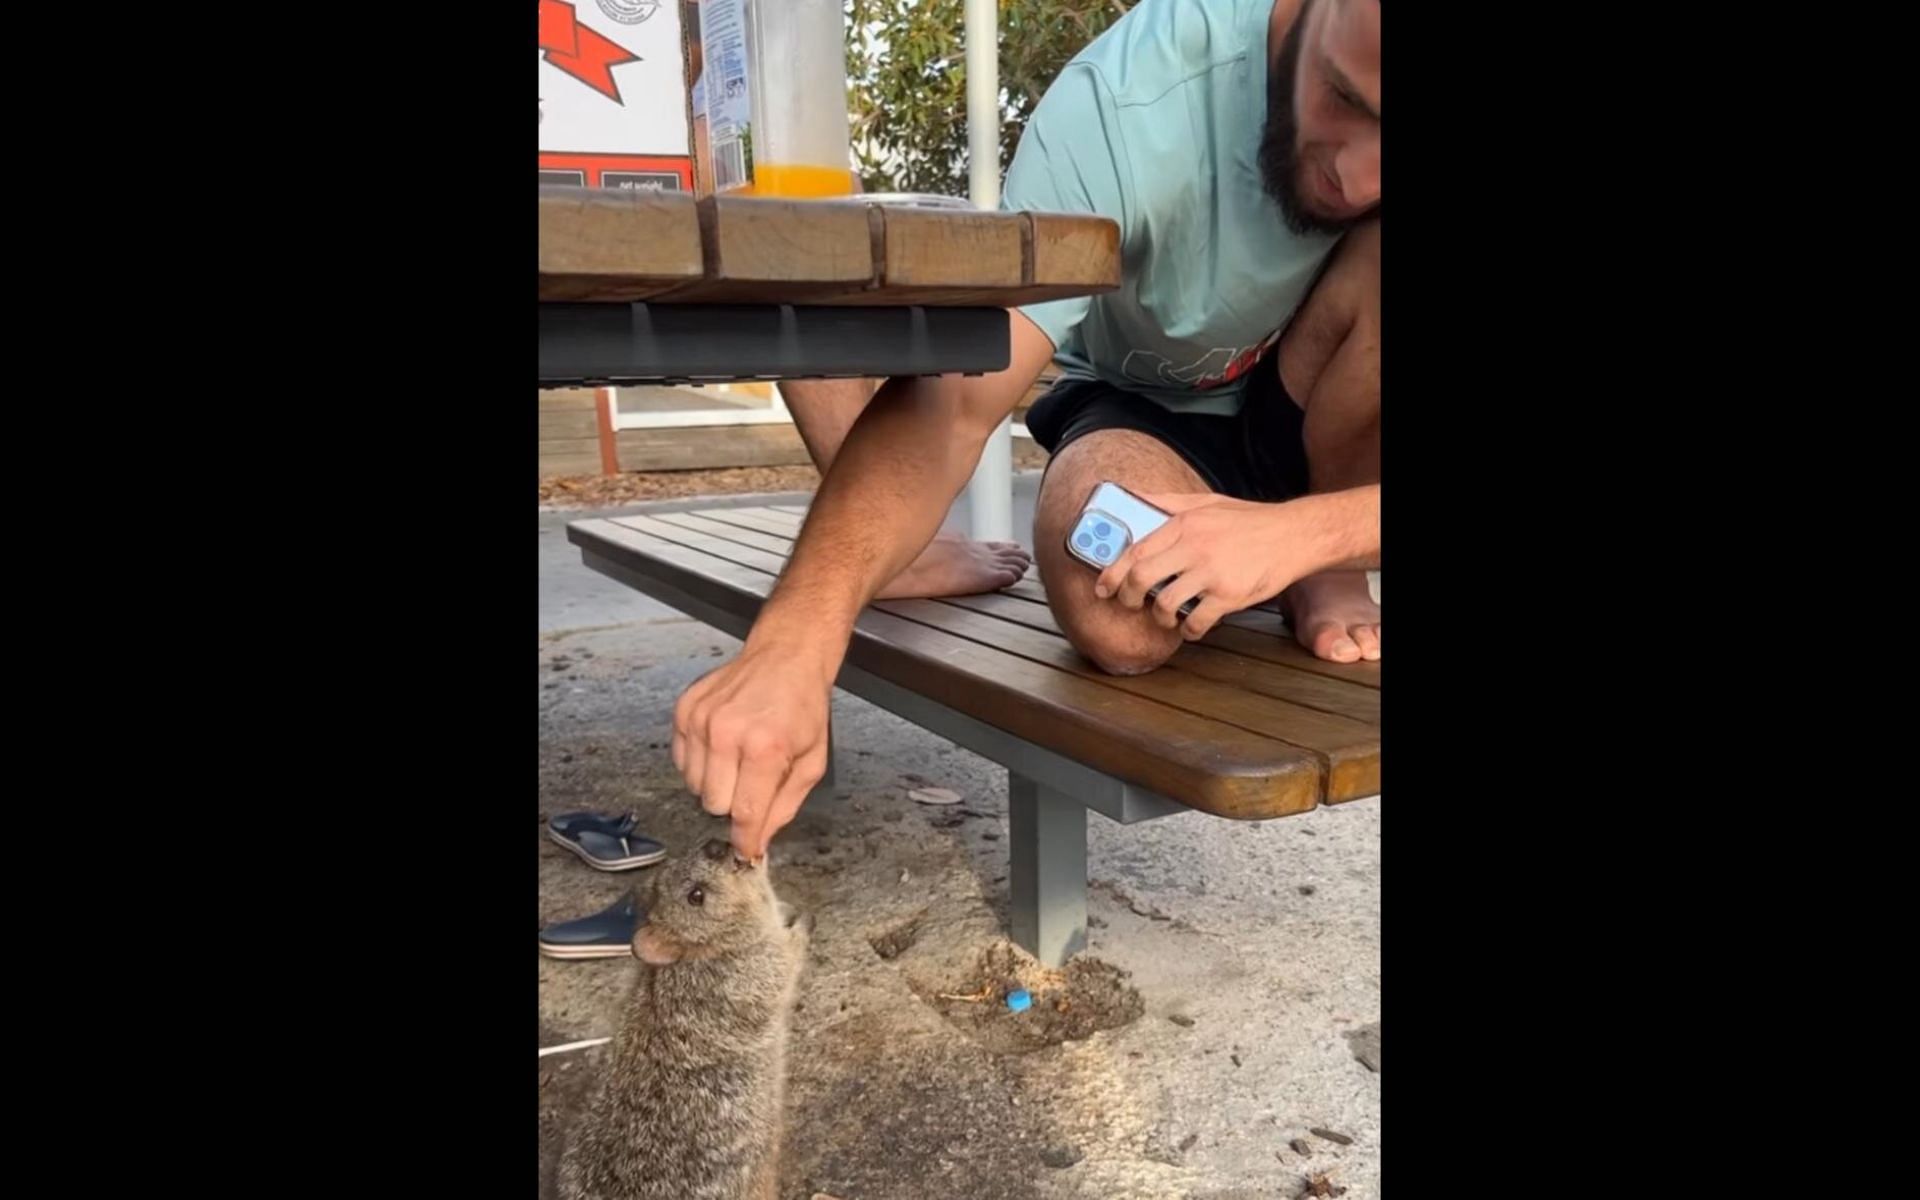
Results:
1256 455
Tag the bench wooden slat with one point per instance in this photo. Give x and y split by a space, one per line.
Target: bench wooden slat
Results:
1280 648
734 552
1259 634
1304 688
1274 646
1296 707
1349 749
1212 766
701 522
759 520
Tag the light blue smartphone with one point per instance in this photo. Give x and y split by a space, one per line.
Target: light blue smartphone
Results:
1113 519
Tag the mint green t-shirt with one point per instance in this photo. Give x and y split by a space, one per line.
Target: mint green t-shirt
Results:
1157 125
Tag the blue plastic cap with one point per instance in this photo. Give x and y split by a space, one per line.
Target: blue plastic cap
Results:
1019 1000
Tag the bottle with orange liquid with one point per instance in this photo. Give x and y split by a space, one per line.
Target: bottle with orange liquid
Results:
776 84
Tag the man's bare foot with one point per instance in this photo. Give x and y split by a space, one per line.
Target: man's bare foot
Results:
952 565
1333 615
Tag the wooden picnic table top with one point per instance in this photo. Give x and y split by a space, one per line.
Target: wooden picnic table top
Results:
1244 724
668 248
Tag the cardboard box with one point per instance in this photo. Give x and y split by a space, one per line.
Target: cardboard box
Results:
615 108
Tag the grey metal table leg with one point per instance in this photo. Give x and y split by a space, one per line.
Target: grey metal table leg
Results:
1049 872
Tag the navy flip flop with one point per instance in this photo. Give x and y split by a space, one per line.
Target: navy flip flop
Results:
606 934
605 842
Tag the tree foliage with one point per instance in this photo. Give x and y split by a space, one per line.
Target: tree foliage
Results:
907 81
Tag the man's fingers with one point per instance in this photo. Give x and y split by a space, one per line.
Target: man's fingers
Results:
1110 579
722 770
1114 577
1166 605
1150 571
696 768
1204 617
753 798
727 736
807 771
683 726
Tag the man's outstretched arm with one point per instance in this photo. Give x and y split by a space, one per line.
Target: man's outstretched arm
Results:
751 737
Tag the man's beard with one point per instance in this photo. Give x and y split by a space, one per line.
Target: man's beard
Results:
1279 137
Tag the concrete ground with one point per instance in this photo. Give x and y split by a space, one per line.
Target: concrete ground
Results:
1226 1010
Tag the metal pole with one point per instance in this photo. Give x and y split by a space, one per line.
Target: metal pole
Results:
1047 895
990 493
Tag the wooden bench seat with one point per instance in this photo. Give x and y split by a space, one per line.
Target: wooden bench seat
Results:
1245 724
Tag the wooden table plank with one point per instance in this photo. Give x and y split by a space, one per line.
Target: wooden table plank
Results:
1214 767
668 248
1004 259
597 244
780 252
1070 251
937 248
940 256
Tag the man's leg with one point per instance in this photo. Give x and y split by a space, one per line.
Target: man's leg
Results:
951 565
1118 640
1329 360
824 410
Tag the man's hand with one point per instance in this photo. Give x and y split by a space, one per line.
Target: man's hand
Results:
1231 553
751 740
